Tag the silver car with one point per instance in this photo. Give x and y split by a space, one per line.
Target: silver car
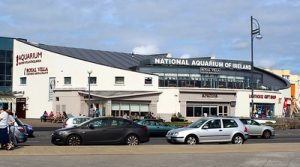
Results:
257 129
214 129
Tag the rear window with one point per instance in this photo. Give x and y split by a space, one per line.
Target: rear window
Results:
229 123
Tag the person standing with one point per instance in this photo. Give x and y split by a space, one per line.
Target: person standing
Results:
4 138
11 124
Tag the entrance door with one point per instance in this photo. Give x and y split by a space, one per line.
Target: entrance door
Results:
21 107
209 110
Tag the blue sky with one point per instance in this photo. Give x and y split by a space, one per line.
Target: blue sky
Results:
194 28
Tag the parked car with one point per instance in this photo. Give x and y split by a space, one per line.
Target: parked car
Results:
257 129
28 128
156 127
104 130
214 129
72 121
20 132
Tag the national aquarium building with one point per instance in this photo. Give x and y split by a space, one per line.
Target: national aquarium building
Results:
78 81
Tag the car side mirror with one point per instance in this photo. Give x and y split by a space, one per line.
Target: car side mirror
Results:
205 127
91 126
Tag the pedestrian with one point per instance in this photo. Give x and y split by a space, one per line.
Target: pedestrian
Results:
4 138
97 112
11 125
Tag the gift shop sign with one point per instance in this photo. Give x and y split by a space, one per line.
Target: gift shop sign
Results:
28 58
263 96
36 71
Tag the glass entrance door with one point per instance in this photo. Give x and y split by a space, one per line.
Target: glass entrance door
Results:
209 111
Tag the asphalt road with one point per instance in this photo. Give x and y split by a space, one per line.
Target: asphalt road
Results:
42 138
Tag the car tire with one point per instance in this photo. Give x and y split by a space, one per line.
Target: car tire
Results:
132 140
74 140
266 134
191 140
237 139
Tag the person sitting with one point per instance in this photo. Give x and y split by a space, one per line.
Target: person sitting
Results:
44 116
51 115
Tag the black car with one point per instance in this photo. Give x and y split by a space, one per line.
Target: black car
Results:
105 130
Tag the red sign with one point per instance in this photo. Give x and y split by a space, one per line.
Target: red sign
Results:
36 71
263 96
28 58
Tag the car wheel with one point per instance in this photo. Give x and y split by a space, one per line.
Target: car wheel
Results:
74 140
191 139
237 139
266 134
132 140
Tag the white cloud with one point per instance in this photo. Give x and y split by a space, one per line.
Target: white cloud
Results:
185 56
240 45
265 63
146 50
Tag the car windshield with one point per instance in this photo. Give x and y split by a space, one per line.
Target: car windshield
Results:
198 123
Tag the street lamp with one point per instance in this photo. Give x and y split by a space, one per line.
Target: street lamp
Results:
89 100
255 33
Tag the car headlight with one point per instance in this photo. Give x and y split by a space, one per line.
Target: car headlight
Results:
172 133
62 133
175 133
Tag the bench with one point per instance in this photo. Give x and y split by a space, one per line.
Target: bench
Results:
50 119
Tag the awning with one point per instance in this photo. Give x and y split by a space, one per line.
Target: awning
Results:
6 100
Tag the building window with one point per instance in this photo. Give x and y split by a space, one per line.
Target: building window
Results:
93 80
23 80
57 98
67 81
119 80
148 80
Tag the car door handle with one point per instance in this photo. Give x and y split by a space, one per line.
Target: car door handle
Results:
220 130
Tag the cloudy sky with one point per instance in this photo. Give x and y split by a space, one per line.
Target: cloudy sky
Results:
193 28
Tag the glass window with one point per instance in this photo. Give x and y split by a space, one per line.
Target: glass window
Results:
220 110
119 80
225 113
144 107
229 123
93 80
148 80
67 81
213 124
23 80
119 123
189 111
198 112
213 111
98 123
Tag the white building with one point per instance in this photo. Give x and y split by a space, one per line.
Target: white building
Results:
55 78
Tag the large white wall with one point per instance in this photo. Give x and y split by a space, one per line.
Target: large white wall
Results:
168 101
59 66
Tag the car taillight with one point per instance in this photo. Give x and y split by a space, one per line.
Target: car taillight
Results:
21 129
65 125
145 128
245 130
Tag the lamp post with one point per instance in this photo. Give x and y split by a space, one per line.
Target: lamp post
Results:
89 97
255 33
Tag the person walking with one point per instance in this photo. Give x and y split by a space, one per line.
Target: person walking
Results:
4 138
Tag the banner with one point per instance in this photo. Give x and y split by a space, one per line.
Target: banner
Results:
51 87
